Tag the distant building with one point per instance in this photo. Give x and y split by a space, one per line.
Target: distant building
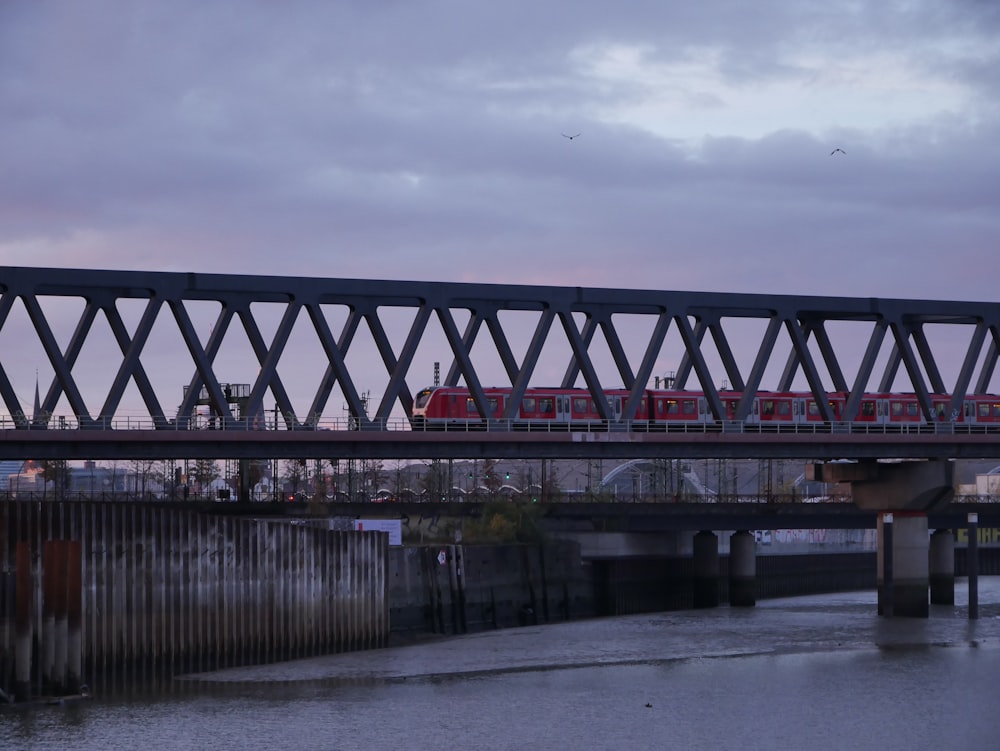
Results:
9 469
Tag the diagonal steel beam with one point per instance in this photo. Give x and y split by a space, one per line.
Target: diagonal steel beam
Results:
764 353
62 365
131 367
927 358
989 361
693 353
397 367
578 346
653 348
726 355
203 358
801 349
541 333
901 334
865 369
965 372
336 370
267 358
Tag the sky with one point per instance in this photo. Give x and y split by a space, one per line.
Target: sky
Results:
425 140
794 146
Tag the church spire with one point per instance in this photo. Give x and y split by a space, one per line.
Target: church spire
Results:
37 412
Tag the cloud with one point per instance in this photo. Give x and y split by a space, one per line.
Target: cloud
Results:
422 140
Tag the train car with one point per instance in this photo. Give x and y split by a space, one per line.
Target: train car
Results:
777 408
811 411
540 408
674 409
442 406
982 409
439 407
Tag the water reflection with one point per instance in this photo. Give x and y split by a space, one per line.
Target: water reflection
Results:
817 672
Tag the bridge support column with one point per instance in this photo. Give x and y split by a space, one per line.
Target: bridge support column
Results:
742 569
909 566
706 570
942 567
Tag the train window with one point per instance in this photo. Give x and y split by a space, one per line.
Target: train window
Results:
996 409
470 406
784 408
493 405
767 407
528 404
897 409
580 404
912 410
689 407
867 409
546 404
813 409
672 407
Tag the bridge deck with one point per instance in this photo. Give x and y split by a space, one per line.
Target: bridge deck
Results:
237 444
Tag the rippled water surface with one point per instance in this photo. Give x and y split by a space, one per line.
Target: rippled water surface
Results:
804 673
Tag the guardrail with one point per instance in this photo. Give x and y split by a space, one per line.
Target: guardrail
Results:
396 424
304 499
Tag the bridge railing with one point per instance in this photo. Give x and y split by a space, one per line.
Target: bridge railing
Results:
410 495
345 424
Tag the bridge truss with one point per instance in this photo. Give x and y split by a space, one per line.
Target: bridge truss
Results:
641 333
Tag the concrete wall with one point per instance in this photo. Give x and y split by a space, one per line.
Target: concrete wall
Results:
453 589
162 591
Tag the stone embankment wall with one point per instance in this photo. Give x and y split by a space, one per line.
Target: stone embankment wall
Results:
454 589
96 589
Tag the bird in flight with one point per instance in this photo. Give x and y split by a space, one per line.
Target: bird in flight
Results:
836 150
571 137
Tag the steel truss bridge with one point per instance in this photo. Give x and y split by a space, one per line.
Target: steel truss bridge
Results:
795 341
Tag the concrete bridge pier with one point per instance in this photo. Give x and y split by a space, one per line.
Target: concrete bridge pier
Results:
942 567
903 583
903 493
742 569
706 569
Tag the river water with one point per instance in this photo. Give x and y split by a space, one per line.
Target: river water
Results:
817 673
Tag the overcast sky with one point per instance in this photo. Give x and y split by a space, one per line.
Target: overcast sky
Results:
424 140
428 140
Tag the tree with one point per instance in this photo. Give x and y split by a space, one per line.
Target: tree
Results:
143 471
295 475
205 470
371 472
491 477
57 472
432 484
320 481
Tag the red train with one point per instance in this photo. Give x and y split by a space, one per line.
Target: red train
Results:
545 408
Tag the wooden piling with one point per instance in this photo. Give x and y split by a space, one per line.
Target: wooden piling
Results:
22 623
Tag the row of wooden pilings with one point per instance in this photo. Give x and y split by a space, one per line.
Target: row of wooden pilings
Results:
130 593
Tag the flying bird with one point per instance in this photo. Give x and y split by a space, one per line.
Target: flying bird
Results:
571 137
836 150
